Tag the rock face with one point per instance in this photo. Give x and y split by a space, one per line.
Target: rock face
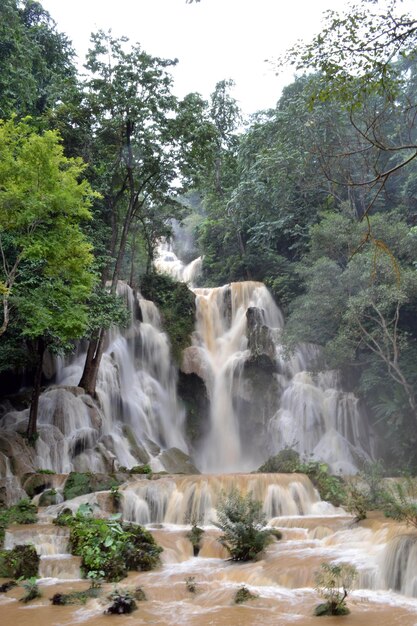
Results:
260 336
21 456
177 462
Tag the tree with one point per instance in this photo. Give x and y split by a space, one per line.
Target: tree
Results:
365 59
357 305
36 61
330 579
45 275
133 157
242 521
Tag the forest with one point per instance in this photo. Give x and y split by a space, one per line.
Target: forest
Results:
316 198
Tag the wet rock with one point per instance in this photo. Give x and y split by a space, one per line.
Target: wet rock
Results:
193 393
137 450
175 461
37 483
10 491
194 361
261 339
20 454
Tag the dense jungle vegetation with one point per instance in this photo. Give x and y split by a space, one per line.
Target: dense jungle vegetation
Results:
316 197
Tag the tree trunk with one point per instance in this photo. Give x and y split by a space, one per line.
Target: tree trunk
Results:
92 363
31 432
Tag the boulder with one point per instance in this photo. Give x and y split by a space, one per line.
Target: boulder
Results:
175 461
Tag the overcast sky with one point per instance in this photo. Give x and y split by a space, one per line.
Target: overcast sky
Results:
213 40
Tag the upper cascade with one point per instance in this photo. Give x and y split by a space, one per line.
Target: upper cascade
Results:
260 401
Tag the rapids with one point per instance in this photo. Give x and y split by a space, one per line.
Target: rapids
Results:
283 578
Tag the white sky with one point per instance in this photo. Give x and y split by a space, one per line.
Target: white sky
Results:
213 40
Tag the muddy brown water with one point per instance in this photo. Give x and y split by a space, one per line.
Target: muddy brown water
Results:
283 581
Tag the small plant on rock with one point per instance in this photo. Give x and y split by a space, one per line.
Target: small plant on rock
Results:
190 584
123 601
195 535
243 595
334 583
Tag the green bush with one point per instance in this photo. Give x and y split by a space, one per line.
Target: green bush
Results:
399 501
140 469
241 519
108 548
330 487
21 562
195 535
24 512
177 306
79 484
32 591
243 595
286 461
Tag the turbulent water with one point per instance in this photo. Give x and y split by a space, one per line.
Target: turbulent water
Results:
258 407
282 579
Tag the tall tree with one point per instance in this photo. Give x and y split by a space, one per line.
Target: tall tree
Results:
134 152
36 61
45 275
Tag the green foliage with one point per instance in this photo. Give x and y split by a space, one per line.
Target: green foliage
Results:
243 595
177 305
32 591
333 583
36 60
24 512
399 501
242 521
75 597
330 487
286 461
78 484
195 535
109 549
20 562
140 469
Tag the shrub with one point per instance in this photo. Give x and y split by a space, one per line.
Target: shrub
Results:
333 583
241 519
140 469
243 595
122 602
24 512
286 461
21 562
177 305
108 548
79 484
400 501
330 487
32 590
195 535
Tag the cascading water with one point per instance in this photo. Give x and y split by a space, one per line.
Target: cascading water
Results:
138 414
261 402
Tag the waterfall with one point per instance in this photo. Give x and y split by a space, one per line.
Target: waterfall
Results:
261 402
178 500
399 566
137 415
